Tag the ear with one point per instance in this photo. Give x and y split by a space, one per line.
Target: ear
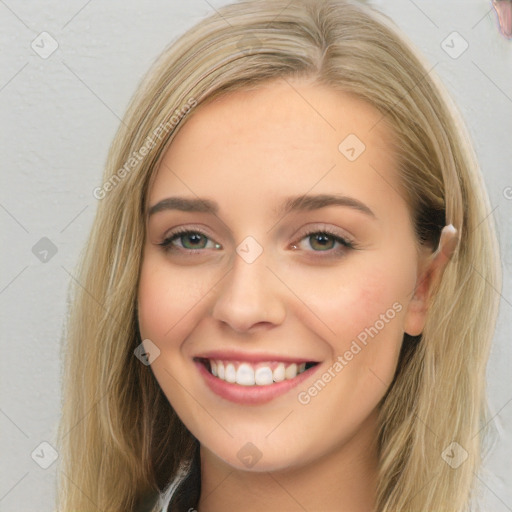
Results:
431 270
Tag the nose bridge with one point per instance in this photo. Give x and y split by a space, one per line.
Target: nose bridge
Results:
249 294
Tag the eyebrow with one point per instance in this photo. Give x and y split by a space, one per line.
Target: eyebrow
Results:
291 204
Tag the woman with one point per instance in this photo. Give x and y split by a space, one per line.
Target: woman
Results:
287 299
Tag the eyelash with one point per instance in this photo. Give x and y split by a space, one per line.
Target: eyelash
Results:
178 233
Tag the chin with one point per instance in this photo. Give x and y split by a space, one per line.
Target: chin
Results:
257 457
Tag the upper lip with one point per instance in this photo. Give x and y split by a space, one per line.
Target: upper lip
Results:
233 355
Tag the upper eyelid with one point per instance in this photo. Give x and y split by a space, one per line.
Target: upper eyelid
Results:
321 227
184 229
318 228
302 233
305 229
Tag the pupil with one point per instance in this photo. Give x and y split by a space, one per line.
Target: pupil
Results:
196 237
322 238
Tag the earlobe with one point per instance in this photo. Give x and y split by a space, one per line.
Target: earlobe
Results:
429 280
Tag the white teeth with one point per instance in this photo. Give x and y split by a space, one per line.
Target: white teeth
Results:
279 373
230 373
291 371
247 375
263 376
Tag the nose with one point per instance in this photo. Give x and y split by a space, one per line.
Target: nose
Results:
250 296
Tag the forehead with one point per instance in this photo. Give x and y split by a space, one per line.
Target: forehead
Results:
307 110
283 138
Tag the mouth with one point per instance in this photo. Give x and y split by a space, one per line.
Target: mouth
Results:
250 374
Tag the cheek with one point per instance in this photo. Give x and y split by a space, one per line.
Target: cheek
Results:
378 300
375 312
364 310
167 298
347 301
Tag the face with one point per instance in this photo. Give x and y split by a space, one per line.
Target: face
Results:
241 286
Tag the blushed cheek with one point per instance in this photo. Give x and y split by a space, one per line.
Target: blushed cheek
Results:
158 307
371 299
149 315
381 319
368 320
169 302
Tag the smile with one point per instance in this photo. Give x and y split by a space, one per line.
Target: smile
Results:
250 374
252 383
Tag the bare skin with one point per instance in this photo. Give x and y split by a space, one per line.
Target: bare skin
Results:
302 296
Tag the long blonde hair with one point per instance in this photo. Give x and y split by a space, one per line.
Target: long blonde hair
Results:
119 438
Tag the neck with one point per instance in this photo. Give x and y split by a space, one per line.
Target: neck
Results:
344 480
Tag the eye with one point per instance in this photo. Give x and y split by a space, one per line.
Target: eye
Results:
194 240
190 240
324 240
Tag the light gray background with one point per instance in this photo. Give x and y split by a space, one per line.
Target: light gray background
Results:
59 116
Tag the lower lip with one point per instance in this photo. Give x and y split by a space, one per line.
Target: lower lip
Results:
251 395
